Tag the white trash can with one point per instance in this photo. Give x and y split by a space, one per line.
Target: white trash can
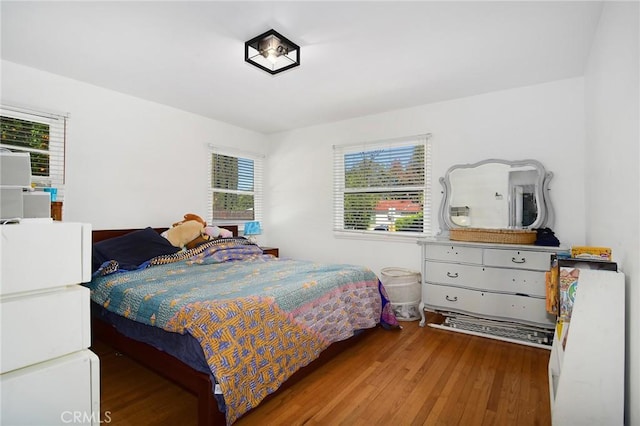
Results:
404 289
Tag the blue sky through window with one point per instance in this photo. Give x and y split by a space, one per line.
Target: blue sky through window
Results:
245 174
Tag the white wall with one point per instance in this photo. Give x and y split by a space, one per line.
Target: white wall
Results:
543 122
612 181
129 162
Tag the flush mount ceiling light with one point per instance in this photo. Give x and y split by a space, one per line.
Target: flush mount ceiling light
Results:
272 52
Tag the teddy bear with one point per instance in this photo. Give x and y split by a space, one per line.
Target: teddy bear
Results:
193 231
216 232
183 233
191 216
209 233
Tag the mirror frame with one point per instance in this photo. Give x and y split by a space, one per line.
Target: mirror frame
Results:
545 209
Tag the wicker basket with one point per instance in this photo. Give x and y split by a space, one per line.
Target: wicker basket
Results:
499 236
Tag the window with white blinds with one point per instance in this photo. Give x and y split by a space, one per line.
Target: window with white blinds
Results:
40 134
235 193
383 187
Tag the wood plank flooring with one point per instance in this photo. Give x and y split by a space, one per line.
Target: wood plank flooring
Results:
414 376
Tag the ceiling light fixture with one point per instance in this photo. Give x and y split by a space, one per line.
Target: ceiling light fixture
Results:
272 52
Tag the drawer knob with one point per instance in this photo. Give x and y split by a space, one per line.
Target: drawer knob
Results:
521 260
450 275
451 299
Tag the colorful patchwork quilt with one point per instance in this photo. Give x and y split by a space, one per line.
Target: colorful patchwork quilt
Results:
259 319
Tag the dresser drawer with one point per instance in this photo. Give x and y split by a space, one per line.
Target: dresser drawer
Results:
452 253
43 326
513 281
506 307
38 256
454 274
520 259
52 392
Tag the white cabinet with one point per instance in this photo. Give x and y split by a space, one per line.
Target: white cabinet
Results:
56 323
48 374
501 282
60 391
586 367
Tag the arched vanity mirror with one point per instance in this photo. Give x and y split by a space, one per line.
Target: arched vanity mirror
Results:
496 194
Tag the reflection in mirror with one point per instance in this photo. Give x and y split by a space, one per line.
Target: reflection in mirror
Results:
496 194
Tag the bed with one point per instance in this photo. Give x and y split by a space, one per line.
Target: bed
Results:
225 321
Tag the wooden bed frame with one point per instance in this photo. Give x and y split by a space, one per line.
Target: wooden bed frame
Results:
180 373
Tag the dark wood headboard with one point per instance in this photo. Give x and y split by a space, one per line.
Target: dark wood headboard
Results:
105 234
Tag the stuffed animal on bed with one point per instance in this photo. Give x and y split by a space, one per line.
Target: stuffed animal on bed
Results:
216 232
183 233
193 231
209 233
191 216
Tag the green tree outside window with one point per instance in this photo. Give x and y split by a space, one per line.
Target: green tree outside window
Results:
28 136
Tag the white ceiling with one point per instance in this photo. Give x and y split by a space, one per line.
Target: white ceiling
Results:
357 58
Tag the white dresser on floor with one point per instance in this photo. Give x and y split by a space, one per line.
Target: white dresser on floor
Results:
503 282
48 374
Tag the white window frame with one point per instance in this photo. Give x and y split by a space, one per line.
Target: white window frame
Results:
258 177
57 139
340 151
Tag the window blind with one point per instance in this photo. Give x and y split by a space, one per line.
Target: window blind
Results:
383 187
43 136
235 187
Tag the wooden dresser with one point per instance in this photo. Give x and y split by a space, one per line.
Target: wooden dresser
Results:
495 281
48 374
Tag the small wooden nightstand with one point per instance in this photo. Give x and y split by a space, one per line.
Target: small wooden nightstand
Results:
56 210
271 250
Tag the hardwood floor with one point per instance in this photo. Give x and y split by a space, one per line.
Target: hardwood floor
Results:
414 376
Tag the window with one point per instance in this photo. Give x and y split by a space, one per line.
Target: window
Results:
40 134
235 193
383 187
